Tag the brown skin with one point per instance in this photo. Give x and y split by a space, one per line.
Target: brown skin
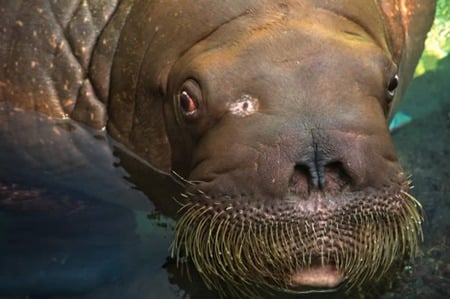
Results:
276 116
316 139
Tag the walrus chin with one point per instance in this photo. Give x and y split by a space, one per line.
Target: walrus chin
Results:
340 240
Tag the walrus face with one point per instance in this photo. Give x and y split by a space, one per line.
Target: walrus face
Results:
293 180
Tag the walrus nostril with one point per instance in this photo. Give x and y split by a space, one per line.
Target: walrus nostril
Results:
300 181
336 176
332 177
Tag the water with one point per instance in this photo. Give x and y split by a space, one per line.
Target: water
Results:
71 221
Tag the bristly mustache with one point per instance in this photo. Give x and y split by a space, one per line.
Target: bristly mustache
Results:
241 252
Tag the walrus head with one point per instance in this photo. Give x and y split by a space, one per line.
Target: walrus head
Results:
278 124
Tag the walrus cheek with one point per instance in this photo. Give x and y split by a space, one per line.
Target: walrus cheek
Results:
327 277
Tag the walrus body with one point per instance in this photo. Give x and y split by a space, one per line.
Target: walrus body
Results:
274 113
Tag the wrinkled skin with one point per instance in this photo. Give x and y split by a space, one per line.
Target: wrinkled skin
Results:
274 113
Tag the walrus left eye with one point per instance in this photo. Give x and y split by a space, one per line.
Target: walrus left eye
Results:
392 85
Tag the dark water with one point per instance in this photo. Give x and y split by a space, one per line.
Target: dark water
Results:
71 222
424 149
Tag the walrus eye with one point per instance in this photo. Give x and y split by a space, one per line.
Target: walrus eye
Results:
188 99
392 85
188 104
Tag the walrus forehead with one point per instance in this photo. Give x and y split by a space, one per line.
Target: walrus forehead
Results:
283 51
288 42
284 73
295 30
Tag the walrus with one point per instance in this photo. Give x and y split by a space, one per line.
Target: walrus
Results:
273 115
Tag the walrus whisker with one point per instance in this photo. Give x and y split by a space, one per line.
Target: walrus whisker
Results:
180 203
177 176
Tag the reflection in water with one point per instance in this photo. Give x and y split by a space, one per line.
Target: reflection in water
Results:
64 248
70 221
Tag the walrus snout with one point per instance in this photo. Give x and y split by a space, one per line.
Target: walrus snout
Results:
328 177
318 175
344 161
296 204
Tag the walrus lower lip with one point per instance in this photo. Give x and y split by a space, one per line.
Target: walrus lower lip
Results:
317 277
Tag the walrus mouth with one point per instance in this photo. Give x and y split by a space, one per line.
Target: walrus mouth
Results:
243 246
315 278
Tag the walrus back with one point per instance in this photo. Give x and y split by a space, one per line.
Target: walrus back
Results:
46 55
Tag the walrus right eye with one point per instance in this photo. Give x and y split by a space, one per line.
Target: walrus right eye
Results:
187 103
188 99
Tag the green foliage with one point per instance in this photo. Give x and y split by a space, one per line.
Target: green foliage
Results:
437 45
